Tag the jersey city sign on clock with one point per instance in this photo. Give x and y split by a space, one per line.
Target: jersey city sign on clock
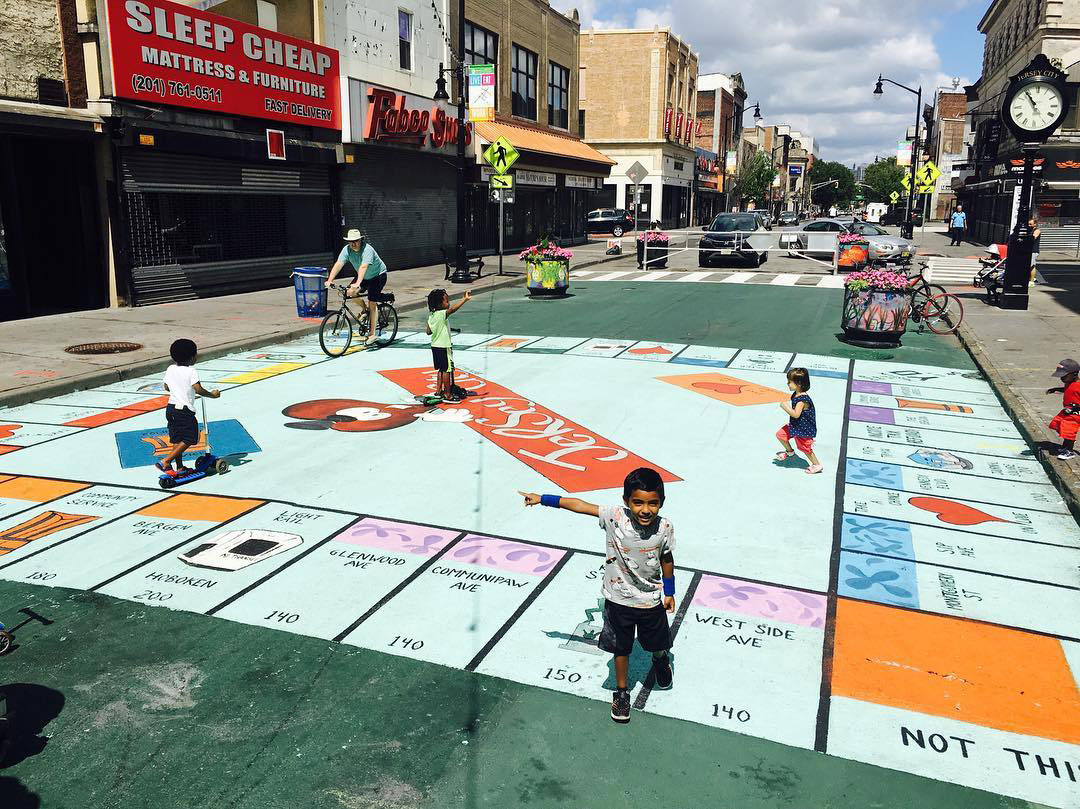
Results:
1036 101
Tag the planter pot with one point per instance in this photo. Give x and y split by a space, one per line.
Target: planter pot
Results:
875 318
657 256
853 254
549 277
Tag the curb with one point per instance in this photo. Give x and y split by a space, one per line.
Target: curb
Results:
1065 478
95 379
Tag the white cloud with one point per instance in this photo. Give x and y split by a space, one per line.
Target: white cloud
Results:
810 63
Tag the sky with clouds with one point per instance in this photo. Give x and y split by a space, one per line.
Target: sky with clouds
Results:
813 63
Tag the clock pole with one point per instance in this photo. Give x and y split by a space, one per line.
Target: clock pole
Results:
1014 295
1031 129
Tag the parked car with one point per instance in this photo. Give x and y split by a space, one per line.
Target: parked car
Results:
896 217
726 236
615 221
882 245
766 218
787 218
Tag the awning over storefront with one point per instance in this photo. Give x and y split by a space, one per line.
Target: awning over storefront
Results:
20 115
547 147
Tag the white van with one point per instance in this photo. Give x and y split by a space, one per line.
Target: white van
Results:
874 210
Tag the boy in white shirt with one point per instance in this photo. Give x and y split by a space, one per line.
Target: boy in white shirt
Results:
182 383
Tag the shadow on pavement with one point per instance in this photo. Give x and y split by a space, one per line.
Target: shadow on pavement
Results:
27 709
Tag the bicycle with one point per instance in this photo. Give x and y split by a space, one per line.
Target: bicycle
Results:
940 311
336 330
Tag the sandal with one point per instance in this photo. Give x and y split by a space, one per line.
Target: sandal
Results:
783 455
814 469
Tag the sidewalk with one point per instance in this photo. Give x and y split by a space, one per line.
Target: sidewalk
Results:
33 363
1018 351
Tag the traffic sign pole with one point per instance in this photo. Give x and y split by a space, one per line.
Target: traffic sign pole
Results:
502 200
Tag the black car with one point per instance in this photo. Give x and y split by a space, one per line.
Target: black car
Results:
726 236
787 218
896 217
615 221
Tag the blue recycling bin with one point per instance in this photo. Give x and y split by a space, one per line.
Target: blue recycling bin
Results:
309 283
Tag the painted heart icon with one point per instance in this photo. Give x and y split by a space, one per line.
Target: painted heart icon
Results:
953 513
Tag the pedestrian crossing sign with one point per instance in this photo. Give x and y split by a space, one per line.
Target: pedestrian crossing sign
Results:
501 154
501 182
928 174
894 197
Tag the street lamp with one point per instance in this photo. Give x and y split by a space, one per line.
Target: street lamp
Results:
729 130
461 260
878 93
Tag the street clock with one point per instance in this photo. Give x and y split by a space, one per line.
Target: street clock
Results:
1036 101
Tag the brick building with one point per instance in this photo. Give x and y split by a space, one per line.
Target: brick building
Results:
721 104
946 147
640 106
535 50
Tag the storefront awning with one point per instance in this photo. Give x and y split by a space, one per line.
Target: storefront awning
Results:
25 115
536 141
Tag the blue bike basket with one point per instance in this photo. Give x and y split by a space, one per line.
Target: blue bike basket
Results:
310 292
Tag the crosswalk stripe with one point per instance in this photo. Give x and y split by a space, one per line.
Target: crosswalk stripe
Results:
611 276
832 281
583 273
785 280
653 276
738 278
691 276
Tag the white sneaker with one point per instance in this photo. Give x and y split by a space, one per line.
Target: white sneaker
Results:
1065 454
371 339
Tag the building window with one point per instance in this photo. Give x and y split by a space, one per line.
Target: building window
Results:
558 96
266 14
524 83
481 48
404 24
581 124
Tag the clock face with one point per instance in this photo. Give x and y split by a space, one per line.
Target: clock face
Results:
1035 107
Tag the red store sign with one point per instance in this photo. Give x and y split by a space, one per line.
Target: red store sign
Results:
166 53
387 116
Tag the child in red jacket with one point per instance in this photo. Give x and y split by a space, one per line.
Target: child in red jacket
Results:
1067 422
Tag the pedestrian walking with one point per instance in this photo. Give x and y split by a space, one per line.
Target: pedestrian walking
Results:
1036 233
639 577
1067 423
370 274
802 421
442 349
182 383
957 225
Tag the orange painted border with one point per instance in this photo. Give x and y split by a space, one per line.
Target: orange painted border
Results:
38 490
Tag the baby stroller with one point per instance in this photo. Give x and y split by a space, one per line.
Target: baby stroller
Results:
992 275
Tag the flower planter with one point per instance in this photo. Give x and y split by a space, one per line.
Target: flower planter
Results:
658 252
548 276
875 318
853 254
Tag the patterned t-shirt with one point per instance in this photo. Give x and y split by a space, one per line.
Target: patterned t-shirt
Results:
805 426
632 574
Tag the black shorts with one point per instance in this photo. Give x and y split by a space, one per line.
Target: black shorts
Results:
374 287
442 359
183 427
651 623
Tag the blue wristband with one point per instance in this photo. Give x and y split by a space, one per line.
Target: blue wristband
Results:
669 586
550 500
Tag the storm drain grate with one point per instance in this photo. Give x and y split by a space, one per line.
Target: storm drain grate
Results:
103 348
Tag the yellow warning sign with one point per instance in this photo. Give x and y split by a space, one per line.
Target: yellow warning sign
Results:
501 181
501 154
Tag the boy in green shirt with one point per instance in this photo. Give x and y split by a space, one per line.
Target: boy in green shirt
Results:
442 350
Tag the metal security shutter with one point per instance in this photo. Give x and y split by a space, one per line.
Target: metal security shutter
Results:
404 201
175 282
145 171
1065 238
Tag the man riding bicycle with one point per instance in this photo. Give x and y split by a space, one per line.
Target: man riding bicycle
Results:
370 274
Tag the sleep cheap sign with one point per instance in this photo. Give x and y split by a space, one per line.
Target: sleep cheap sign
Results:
167 53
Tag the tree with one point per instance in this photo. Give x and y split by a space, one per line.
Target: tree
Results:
755 178
824 170
884 177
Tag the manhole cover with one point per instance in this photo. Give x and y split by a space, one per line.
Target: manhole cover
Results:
103 348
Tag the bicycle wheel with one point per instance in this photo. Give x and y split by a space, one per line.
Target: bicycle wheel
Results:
943 313
922 295
386 329
335 333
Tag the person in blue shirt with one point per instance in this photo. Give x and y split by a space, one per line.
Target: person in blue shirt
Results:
370 274
957 225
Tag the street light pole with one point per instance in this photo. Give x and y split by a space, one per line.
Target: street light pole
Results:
915 146
729 131
461 272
